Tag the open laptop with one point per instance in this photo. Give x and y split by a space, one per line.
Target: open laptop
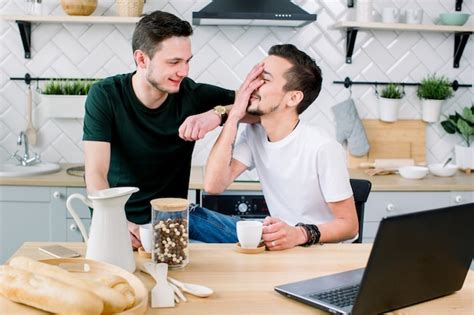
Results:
415 257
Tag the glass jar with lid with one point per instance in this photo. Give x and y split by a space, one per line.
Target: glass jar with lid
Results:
170 221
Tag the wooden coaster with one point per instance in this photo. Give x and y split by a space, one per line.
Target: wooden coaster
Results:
257 250
142 253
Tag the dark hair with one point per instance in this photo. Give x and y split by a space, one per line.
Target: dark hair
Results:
154 28
304 76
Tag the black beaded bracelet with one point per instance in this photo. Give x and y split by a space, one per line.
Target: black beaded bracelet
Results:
314 235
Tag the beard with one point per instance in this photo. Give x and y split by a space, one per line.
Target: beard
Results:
258 112
255 112
159 87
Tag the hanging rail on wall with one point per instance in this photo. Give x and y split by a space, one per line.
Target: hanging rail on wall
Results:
348 82
458 5
28 78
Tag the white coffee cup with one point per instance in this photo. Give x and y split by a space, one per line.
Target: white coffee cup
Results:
413 16
364 11
249 233
146 237
390 15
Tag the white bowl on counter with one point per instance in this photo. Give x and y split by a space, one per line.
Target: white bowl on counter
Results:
413 172
438 169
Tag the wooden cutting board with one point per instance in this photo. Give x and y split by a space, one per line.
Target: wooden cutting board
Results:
403 139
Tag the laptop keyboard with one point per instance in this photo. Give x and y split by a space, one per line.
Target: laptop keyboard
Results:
341 297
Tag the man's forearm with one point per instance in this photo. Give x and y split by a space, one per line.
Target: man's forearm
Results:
337 230
248 119
218 168
95 182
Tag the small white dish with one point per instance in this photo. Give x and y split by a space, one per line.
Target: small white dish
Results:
413 172
438 169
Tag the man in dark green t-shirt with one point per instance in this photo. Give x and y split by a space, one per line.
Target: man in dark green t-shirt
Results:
135 123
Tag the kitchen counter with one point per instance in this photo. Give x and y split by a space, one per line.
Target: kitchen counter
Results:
243 284
460 182
63 179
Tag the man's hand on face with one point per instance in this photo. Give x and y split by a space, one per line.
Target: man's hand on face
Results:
252 82
197 126
134 235
278 235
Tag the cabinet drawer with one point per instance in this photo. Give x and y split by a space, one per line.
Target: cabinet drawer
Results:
461 197
383 204
24 194
370 229
73 234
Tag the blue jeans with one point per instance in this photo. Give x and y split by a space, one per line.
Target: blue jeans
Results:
212 227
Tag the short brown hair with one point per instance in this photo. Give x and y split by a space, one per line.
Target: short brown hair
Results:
154 28
304 76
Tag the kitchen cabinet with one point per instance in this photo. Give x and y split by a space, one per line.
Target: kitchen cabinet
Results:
38 213
32 213
384 204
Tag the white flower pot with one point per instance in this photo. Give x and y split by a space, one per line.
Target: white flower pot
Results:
464 157
388 109
431 110
63 106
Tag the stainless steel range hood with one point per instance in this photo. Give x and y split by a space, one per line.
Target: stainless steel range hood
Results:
253 12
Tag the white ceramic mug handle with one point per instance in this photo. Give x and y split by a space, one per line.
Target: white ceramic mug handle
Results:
74 215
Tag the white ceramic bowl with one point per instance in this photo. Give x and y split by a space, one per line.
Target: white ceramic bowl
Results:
438 169
413 172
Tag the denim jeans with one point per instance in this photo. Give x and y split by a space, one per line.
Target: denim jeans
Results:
211 227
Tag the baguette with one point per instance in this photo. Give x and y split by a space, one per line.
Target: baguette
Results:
128 292
114 301
112 281
46 293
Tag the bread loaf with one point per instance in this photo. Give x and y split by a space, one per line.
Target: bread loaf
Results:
112 281
114 301
46 293
128 292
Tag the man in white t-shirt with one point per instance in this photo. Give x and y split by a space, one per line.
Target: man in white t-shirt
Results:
302 171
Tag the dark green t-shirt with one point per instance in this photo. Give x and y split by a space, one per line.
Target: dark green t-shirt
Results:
146 151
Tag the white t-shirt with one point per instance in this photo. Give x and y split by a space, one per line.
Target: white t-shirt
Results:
299 174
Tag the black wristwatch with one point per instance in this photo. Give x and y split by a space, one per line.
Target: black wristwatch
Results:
221 111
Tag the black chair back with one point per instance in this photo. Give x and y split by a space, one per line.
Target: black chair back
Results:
361 190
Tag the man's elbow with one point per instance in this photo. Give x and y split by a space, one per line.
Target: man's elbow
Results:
354 232
354 229
213 188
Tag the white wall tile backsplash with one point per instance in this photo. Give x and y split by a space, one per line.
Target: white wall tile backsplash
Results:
223 55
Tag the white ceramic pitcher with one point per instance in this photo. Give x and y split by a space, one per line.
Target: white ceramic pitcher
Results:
109 238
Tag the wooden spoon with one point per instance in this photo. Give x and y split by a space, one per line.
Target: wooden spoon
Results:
30 130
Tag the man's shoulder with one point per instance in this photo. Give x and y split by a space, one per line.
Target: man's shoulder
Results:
314 132
113 81
189 85
317 138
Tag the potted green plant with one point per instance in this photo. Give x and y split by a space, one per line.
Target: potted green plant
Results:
433 91
462 124
389 102
65 99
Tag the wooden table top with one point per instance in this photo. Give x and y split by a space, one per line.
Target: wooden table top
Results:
243 283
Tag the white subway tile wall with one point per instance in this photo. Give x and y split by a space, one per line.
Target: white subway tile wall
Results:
223 55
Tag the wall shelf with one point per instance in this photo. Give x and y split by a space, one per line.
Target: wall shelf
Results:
458 4
24 23
461 34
